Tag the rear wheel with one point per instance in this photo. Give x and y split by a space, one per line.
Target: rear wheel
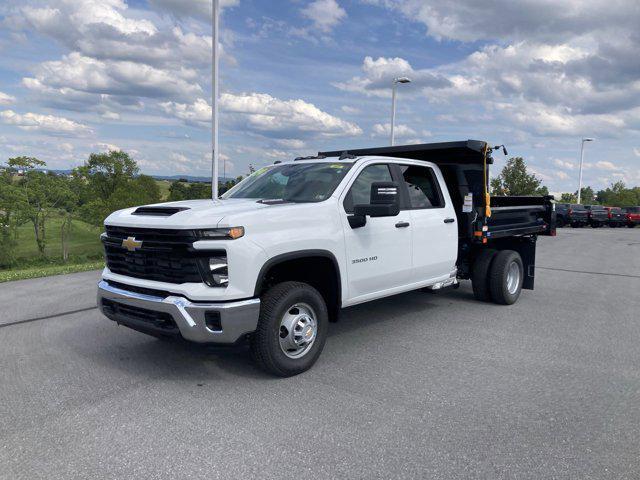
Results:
292 329
480 275
505 277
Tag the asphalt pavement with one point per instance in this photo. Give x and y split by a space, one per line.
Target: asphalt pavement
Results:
415 386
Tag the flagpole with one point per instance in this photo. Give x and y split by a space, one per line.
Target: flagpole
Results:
214 97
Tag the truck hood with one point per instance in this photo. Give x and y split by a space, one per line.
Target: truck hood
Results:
193 214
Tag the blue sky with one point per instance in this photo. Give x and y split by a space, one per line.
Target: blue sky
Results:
298 76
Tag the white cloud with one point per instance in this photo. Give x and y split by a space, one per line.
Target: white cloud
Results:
606 165
116 78
562 175
261 113
200 9
380 130
636 152
110 115
564 164
350 110
44 123
105 147
6 99
292 143
325 14
379 75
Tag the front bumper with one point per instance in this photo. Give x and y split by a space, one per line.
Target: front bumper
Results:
177 315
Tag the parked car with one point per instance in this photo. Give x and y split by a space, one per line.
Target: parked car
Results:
616 217
277 256
597 215
571 214
632 215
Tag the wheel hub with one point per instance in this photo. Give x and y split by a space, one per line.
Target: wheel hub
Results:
513 278
298 330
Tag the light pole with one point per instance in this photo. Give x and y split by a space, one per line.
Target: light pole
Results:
581 160
396 81
215 23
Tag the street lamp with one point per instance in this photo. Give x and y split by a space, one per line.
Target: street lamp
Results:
215 24
581 160
396 81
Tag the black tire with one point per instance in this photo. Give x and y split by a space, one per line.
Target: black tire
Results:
498 276
631 225
560 223
480 275
265 342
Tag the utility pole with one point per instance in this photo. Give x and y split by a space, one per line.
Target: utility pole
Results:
215 24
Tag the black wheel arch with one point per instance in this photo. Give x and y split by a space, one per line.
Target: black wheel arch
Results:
332 293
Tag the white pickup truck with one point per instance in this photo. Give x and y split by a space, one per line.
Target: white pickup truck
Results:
277 257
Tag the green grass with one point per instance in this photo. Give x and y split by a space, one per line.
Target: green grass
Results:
47 271
164 188
84 242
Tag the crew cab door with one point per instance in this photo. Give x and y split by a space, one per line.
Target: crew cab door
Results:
378 254
433 223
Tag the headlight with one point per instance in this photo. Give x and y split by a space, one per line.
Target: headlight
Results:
230 233
219 270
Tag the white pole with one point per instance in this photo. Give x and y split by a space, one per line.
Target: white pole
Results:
393 112
580 175
214 97
581 161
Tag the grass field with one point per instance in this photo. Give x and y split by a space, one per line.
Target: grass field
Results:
84 241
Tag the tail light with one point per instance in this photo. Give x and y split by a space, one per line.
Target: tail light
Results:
571 211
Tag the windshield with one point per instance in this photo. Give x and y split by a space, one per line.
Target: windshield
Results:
300 182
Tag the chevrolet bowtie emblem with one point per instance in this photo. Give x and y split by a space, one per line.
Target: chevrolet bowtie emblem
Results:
131 244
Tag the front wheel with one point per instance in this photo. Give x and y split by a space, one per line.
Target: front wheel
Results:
292 329
505 277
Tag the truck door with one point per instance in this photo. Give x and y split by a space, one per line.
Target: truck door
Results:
378 254
433 223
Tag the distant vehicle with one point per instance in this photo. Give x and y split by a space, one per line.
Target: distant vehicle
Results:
616 217
633 216
597 215
571 214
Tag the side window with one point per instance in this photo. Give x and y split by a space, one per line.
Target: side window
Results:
360 191
423 187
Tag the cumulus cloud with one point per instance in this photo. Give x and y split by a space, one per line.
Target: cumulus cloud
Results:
78 73
200 9
45 123
548 20
325 14
261 113
378 76
6 99
384 130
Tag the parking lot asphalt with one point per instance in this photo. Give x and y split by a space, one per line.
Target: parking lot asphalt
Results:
414 386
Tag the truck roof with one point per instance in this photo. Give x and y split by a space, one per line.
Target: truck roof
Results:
467 152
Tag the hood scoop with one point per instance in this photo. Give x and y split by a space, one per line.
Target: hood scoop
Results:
158 211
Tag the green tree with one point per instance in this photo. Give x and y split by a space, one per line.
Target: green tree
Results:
41 194
10 197
515 180
568 198
178 190
587 196
618 195
113 183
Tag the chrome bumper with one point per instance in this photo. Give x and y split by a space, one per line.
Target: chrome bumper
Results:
236 318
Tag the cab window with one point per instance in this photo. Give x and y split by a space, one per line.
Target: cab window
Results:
360 191
422 186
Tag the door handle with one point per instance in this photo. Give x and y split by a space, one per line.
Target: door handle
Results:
449 220
402 224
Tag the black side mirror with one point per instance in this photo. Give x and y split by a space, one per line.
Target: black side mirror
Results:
383 203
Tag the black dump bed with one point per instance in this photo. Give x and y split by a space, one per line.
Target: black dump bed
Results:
465 166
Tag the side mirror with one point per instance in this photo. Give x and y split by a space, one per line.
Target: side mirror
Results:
383 203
